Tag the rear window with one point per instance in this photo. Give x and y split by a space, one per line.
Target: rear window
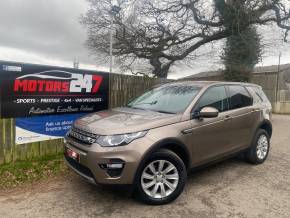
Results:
262 94
239 97
258 94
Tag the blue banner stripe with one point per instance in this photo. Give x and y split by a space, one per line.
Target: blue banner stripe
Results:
53 125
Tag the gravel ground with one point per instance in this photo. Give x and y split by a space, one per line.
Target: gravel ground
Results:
232 188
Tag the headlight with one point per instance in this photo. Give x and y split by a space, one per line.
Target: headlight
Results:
119 140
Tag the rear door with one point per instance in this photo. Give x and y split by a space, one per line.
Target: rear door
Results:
243 116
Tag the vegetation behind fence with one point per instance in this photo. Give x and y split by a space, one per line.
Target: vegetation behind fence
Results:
123 88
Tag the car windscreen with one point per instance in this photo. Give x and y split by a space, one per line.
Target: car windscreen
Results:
166 99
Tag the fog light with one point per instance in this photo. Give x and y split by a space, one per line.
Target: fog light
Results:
112 165
114 168
115 165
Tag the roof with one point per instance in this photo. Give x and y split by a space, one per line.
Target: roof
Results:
264 69
190 82
204 83
271 69
186 83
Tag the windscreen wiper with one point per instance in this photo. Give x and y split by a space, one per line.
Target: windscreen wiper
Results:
144 103
164 112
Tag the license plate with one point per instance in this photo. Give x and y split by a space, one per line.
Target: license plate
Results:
72 154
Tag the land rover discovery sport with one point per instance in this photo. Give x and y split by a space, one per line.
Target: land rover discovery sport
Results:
155 140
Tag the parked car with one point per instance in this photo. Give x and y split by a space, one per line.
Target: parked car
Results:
155 140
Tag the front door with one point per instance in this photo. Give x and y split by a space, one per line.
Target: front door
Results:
210 137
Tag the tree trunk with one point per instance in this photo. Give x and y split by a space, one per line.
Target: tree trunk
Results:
160 70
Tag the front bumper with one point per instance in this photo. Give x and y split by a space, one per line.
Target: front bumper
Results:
80 169
93 158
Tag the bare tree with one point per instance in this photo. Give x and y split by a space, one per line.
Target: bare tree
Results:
157 34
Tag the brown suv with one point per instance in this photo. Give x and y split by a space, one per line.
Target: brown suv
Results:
154 141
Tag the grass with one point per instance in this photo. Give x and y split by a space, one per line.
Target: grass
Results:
24 172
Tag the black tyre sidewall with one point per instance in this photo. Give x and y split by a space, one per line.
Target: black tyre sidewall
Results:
177 162
252 153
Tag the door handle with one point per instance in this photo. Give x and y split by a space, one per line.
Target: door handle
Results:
255 110
187 131
227 118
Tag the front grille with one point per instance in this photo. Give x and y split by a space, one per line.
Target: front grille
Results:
82 137
79 167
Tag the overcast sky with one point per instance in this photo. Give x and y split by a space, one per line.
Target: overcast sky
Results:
48 32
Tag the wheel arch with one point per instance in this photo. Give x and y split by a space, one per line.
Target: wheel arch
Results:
267 126
171 144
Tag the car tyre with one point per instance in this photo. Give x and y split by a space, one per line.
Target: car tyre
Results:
167 186
259 150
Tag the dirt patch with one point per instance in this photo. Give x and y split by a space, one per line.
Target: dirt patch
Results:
18 175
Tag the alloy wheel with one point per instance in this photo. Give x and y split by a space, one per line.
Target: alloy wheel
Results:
159 179
262 147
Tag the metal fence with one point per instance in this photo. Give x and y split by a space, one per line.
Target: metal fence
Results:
277 89
123 88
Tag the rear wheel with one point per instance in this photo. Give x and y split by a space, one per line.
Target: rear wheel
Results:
259 150
162 178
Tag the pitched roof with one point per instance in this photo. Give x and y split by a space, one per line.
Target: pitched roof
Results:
205 74
272 68
264 69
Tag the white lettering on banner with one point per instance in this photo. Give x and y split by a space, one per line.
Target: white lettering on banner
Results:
34 110
50 100
88 100
25 101
81 82
68 109
86 108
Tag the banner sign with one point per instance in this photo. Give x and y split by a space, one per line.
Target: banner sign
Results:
43 128
28 90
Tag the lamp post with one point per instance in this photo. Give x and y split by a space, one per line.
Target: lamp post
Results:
278 80
113 12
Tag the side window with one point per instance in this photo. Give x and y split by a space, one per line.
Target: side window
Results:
214 97
239 97
262 94
257 98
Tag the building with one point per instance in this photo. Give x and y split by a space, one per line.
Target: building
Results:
275 81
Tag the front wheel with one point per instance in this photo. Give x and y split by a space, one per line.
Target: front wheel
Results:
259 150
162 178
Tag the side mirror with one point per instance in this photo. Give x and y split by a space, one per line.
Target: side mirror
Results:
208 112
